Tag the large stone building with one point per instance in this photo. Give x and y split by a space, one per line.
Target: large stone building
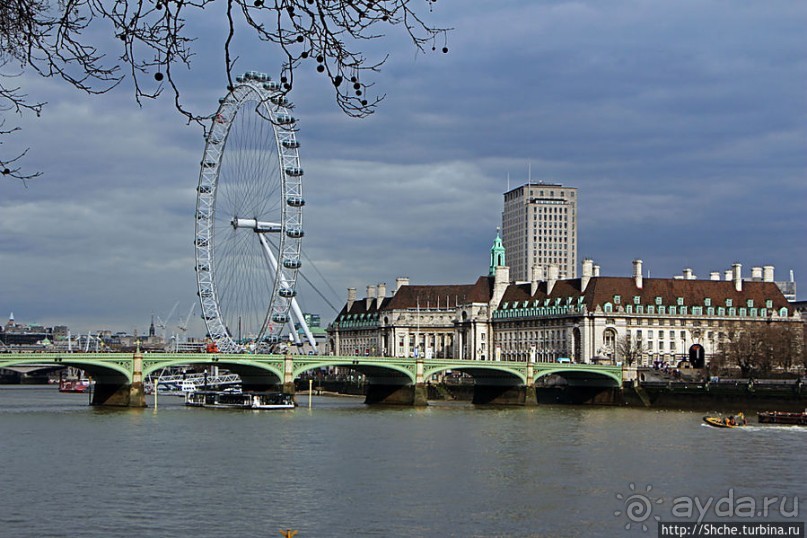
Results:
583 319
589 317
539 229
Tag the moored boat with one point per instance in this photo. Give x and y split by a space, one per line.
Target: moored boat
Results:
731 421
780 417
239 400
74 385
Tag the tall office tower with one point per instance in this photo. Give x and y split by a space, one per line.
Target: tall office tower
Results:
539 228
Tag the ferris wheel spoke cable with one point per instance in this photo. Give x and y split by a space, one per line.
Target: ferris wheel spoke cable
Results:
303 275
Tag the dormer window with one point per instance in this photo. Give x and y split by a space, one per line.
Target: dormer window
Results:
729 302
617 299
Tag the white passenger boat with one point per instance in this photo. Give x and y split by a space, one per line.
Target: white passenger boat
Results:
239 400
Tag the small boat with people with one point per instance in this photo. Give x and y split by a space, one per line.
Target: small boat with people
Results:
781 417
228 399
731 421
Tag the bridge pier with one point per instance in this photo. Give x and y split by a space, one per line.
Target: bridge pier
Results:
288 374
414 395
118 392
505 395
117 395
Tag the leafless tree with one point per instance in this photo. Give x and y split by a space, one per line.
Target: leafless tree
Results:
758 350
630 350
54 38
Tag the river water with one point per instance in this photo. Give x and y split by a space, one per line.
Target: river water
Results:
341 468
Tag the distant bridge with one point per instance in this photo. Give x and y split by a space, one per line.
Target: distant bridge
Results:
119 376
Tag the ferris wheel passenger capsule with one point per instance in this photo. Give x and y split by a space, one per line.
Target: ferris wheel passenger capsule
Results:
287 292
295 233
295 201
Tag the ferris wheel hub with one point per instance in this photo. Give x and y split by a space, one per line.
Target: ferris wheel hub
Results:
256 225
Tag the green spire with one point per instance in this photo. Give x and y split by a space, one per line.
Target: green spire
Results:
496 254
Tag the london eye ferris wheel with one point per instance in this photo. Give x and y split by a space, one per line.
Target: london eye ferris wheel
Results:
249 221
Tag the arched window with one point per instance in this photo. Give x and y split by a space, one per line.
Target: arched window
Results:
609 342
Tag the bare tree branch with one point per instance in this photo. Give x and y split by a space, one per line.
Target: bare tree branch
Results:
52 38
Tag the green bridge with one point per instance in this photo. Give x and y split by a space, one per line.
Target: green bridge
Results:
119 376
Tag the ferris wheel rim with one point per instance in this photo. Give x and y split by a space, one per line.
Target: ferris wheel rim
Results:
272 107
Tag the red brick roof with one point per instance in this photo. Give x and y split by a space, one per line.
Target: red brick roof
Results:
452 294
601 290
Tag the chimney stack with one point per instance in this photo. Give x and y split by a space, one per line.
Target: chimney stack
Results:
714 275
588 271
756 273
737 271
351 297
637 273
767 273
382 292
400 282
537 277
370 296
688 274
727 274
596 270
552 278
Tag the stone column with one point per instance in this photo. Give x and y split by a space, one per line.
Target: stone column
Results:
288 374
530 396
421 395
137 395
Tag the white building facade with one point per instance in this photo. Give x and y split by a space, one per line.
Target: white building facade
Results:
545 319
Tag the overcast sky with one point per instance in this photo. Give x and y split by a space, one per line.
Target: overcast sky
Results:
682 123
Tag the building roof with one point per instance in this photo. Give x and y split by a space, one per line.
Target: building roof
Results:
442 295
601 290
425 297
359 306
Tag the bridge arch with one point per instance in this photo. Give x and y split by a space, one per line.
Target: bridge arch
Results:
583 376
493 370
120 369
371 369
255 374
